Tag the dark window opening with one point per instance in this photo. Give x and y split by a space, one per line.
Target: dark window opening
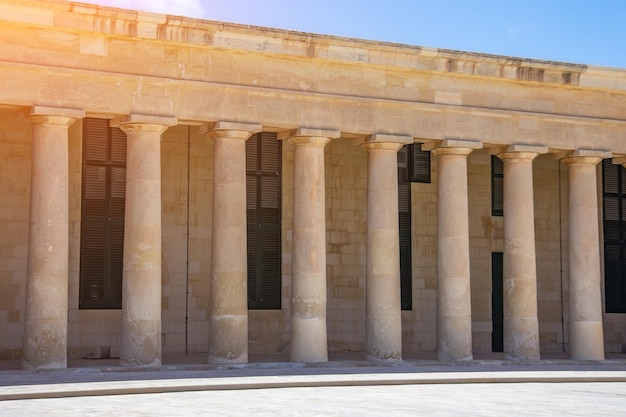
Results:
404 220
614 222
263 184
497 302
413 164
497 186
103 194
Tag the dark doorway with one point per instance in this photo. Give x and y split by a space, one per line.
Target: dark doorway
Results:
497 305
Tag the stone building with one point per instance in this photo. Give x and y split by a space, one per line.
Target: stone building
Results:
171 185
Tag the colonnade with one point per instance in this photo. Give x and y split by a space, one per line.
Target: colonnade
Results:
45 337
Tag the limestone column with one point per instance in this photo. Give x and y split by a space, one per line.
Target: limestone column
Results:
308 278
454 311
521 326
140 341
586 336
228 309
45 331
383 328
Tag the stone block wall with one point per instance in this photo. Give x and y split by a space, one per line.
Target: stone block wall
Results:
551 199
15 156
614 333
186 218
187 172
199 240
346 226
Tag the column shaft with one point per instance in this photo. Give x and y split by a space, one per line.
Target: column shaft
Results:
140 341
383 310
454 312
228 309
585 300
521 327
45 332
308 281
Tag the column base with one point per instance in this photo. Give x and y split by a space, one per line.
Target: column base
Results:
219 360
384 339
142 345
454 337
446 357
228 339
308 340
395 357
45 345
587 340
521 339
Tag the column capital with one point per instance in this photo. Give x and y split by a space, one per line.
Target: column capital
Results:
145 122
319 137
453 147
522 151
382 141
53 115
588 156
234 130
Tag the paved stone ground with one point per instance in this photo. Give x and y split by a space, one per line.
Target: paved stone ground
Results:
515 399
343 388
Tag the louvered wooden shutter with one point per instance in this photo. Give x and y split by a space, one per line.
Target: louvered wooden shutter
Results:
102 217
404 224
614 192
420 164
403 164
263 185
497 186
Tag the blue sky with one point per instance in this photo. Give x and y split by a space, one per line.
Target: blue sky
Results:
578 31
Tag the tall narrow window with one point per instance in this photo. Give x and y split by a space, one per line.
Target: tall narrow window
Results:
102 215
614 205
497 186
413 166
497 302
404 220
263 183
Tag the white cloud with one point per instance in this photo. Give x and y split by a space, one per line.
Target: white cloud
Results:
188 8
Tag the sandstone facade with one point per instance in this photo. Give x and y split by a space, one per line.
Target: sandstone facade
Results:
341 109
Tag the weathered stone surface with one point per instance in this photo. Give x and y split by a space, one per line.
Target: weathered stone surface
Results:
228 308
521 326
384 324
454 320
45 332
146 69
140 340
308 286
585 312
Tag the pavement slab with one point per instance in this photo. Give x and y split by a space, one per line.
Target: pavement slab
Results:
588 399
107 381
